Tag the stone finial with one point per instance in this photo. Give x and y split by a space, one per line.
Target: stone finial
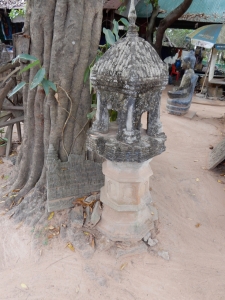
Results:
132 17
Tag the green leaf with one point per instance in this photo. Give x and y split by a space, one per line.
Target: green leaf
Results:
86 74
24 56
91 115
17 88
125 22
47 85
109 36
35 63
38 78
116 29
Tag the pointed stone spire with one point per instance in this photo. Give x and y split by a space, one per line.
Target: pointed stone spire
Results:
132 17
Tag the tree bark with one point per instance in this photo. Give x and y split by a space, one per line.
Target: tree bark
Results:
64 36
151 24
168 21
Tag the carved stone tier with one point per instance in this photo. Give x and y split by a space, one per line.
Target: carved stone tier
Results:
108 146
128 213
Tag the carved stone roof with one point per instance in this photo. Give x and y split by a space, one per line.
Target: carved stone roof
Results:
130 62
131 58
9 4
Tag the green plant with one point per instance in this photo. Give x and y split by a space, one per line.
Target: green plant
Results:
3 141
16 12
39 78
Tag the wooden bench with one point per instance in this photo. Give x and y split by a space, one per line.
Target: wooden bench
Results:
10 115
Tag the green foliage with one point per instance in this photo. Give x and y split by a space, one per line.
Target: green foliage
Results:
28 67
154 3
121 9
109 36
112 115
24 57
17 88
47 84
39 78
16 12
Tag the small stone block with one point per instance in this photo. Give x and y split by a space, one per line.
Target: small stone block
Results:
148 235
135 249
96 214
190 114
77 216
164 255
152 242
217 155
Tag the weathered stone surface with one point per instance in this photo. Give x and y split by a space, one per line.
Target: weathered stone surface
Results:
104 243
67 181
164 255
217 155
152 242
96 214
133 249
179 101
147 236
81 242
128 79
77 216
88 217
92 198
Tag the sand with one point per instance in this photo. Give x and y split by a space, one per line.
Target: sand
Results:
191 206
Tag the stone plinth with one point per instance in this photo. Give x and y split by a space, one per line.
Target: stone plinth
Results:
127 214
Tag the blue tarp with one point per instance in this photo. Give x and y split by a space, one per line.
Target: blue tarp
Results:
210 11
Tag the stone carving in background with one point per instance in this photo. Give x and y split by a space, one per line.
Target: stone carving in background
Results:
179 100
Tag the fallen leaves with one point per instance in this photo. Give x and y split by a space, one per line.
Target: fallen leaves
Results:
20 200
197 225
51 215
70 246
24 286
1 161
19 225
123 266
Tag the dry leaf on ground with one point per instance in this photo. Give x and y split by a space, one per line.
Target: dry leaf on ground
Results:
71 247
24 286
197 225
51 215
123 266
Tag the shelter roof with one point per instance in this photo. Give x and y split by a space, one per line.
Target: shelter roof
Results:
9 4
209 11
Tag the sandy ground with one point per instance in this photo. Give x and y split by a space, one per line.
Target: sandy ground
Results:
192 230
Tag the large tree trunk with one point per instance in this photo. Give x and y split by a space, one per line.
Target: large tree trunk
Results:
168 21
64 36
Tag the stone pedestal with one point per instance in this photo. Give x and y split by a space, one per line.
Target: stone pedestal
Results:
127 214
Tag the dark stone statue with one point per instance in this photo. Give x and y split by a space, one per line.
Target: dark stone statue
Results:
179 100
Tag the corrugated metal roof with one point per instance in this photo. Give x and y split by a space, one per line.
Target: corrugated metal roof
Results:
210 11
9 4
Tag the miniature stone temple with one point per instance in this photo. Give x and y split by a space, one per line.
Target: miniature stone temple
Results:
128 79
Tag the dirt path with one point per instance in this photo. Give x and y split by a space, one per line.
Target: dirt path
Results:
192 230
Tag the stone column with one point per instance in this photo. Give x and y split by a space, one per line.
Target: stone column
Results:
128 213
